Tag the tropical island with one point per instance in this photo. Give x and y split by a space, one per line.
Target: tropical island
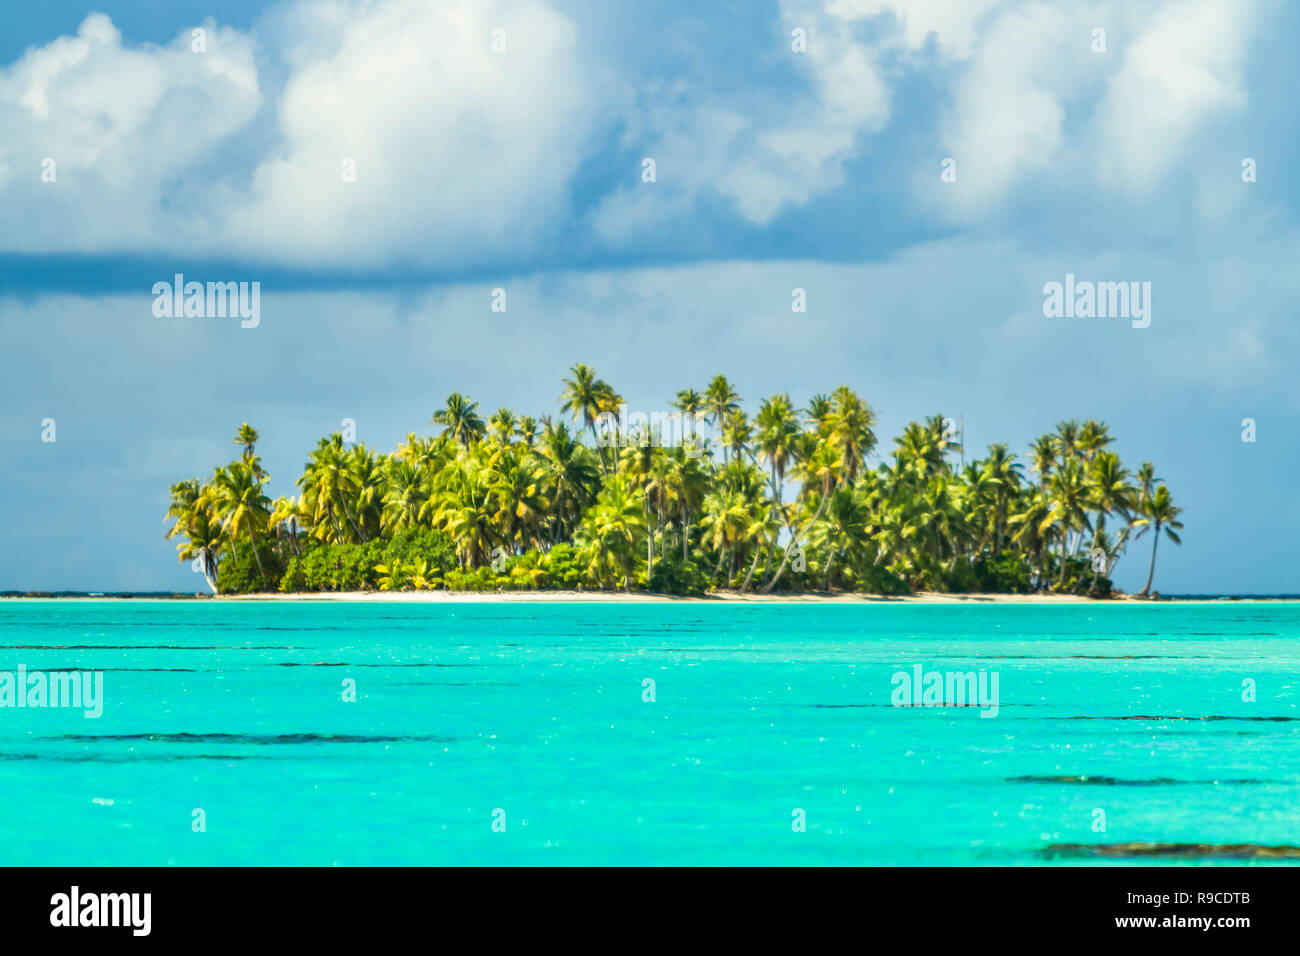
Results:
780 502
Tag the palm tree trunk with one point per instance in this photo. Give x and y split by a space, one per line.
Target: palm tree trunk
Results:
744 585
208 569
785 559
1151 570
1096 572
649 553
1060 581
257 557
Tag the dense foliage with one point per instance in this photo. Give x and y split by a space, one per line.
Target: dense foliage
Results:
783 500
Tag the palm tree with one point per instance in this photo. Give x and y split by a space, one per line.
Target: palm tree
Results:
407 489
573 479
686 484
1109 492
737 434
584 396
1094 436
727 521
521 506
286 512
818 414
720 399
1002 468
328 484
1068 495
1160 513
240 504
247 438
195 520
851 421
502 426
689 402
1147 480
821 469
1043 458
610 531
460 419
527 428
841 532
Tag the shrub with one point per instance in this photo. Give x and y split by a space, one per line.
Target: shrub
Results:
562 568
238 572
876 579
672 575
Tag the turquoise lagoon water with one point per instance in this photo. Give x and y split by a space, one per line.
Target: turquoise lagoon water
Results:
536 709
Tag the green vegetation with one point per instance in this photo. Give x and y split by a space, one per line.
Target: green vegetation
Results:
782 501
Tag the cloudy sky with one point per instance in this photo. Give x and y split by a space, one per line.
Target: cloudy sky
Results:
1115 156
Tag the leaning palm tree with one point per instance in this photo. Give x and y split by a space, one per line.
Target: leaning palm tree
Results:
821 470
194 519
1161 512
460 419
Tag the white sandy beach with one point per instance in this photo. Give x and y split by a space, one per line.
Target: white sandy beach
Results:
616 597
635 597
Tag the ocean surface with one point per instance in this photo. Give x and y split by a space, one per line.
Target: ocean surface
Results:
532 717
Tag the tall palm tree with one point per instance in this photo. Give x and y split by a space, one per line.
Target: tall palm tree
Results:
247 438
1094 436
1161 512
241 506
501 426
1109 492
720 400
851 432
573 479
1068 493
460 419
686 484
689 402
527 428
1043 454
583 396
1001 466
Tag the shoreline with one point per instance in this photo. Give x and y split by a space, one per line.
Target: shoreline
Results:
618 597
